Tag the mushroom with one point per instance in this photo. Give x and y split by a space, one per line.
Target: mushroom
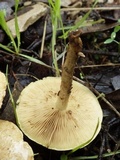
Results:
60 113
3 84
12 145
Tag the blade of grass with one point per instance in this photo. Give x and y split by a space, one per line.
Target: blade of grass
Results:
55 16
79 23
11 97
6 48
96 156
84 144
66 156
6 29
17 26
35 60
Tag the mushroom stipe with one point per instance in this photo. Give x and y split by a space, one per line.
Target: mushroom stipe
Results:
60 113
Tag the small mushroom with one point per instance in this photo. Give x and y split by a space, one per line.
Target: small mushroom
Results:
3 84
60 113
12 146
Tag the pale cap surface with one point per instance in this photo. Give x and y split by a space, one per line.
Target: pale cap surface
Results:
12 146
3 84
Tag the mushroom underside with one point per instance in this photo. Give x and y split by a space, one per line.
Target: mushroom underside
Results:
42 121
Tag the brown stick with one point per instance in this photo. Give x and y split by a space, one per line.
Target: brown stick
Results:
74 47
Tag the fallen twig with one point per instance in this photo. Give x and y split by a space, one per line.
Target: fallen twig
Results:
88 8
100 65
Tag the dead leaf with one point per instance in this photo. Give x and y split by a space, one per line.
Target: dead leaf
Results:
28 18
114 97
116 82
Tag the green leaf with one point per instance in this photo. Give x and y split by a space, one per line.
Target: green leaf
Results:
113 35
108 41
117 28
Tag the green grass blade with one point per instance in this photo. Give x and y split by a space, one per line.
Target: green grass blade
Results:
17 26
6 29
35 60
51 4
84 144
55 15
65 157
11 96
57 8
79 23
6 48
4 24
95 156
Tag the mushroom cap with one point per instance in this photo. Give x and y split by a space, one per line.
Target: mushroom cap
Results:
12 145
3 84
56 129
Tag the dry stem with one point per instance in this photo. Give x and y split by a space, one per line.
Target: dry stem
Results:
74 47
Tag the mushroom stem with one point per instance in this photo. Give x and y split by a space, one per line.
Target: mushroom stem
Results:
74 47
